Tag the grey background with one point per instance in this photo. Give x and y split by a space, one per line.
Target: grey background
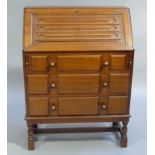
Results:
79 144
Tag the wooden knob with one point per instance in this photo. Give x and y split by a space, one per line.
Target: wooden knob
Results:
106 63
105 84
53 85
130 62
103 106
53 107
52 64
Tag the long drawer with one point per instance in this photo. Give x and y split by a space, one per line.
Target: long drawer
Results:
43 63
77 105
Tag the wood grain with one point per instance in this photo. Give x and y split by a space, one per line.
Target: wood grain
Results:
78 106
78 83
77 29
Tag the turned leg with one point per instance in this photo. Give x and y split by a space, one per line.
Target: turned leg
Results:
114 124
124 139
30 137
35 126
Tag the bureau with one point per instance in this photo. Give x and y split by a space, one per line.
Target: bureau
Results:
78 66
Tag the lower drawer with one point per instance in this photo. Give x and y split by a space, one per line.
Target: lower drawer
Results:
78 106
38 106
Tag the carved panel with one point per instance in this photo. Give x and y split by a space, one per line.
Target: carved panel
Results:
50 28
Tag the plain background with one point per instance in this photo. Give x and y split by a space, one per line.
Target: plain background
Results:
79 144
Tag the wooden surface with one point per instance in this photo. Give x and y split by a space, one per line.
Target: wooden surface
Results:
77 29
78 65
78 106
78 83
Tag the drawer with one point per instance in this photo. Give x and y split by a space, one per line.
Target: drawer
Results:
119 83
78 105
38 106
38 63
79 63
78 83
113 105
117 62
115 83
37 84
118 105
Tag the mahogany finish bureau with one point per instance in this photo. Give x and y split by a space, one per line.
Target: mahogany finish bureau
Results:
77 68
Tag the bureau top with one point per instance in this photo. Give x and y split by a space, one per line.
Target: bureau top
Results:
77 29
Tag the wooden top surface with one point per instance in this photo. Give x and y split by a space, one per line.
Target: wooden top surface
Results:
77 29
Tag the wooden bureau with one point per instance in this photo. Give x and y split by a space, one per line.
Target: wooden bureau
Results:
78 66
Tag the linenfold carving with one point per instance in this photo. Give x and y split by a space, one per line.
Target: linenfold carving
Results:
49 28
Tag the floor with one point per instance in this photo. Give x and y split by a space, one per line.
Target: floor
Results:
80 143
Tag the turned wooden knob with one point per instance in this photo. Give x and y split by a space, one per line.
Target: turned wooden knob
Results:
130 62
52 64
53 85
103 106
105 84
106 63
53 107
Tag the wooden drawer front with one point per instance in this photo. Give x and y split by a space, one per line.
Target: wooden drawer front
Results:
118 105
37 84
39 63
38 106
119 62
78 105
103 106
119 83
79 63
78 83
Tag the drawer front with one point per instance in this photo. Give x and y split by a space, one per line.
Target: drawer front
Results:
118 105
110 62
37 84
38 106
113 105
119 62
78 83
119 83
79 63
38 63
78 105
115 84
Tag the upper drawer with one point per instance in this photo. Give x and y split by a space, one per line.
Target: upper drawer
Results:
79 63
117 62
43 63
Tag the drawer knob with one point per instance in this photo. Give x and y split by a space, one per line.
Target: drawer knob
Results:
53 107
105 84
130 62
52 64
103 106
53 85
106 63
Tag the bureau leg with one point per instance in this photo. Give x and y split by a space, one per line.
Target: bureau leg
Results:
35 126
123 142
114 124
30 137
